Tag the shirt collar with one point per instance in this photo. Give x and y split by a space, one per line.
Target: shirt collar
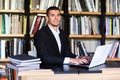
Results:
53 31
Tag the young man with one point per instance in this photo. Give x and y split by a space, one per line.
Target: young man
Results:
52 44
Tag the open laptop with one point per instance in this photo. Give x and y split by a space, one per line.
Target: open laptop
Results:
99 56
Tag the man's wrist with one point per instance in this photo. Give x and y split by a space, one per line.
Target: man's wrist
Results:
66 60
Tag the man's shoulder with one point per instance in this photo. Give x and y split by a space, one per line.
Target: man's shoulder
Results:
42 30
62 32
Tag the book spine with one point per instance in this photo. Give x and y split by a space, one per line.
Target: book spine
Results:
37 23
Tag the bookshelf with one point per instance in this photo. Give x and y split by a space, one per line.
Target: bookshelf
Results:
88 37
13 20
102 13
112 22
32 8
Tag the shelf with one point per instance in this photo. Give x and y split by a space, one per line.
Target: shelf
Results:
112 14
85 36
85 13
113 37
40 11
12 11
118 13
11 35
113 59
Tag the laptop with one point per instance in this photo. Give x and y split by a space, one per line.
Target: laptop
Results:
99 57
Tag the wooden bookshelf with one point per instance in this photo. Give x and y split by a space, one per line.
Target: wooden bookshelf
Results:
103 14
13 20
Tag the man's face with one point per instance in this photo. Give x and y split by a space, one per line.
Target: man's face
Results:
54 17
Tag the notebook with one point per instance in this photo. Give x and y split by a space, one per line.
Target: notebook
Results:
99 57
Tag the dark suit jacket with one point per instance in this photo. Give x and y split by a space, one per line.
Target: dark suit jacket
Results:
47 48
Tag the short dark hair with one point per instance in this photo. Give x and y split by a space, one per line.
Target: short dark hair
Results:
52 8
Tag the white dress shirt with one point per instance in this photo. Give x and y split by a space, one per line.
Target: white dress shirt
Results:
56 35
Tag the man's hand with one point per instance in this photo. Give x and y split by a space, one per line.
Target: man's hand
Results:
80 60
85 57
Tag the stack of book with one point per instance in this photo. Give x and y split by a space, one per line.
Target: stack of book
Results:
23 62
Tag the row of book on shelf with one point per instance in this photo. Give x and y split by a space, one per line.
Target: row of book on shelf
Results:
11 47
12 24
38 21
84 25
112 26
42 5
93 5
12 4
84 5
79 49
112 5
16 24
15 47
73 5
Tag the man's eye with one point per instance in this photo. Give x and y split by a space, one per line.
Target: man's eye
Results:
52 15
59 15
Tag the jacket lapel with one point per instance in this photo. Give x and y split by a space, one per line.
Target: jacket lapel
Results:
52 40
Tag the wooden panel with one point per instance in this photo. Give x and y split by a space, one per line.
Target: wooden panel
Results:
66 77
90 76
42 77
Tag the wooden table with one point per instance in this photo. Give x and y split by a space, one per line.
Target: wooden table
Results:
108 71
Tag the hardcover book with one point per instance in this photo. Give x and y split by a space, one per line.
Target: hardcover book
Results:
26 63
23 68
23 58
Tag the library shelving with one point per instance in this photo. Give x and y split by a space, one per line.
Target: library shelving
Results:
76 9
69 8
112 23
84 22
13 24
